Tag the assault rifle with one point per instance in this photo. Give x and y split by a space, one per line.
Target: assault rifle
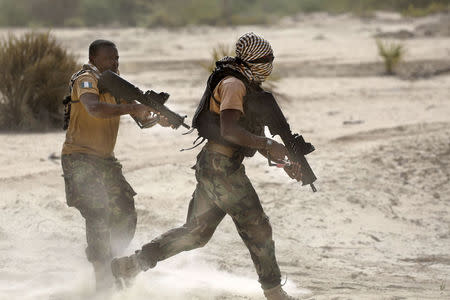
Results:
122 89
264 104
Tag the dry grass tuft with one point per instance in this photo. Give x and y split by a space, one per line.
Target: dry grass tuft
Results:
34 78
392 54
217 53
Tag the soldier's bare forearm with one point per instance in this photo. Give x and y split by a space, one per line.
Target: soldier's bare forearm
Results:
242 137
232 132
105 110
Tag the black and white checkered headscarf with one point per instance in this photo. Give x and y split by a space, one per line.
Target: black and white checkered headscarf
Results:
251 47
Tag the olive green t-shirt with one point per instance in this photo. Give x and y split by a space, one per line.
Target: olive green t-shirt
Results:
230 94
86 133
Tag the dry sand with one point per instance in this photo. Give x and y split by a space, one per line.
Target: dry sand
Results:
378 228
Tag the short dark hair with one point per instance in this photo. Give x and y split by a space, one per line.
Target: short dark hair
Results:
97 44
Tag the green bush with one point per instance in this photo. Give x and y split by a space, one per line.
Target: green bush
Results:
413 11
392 53
181 12
34 79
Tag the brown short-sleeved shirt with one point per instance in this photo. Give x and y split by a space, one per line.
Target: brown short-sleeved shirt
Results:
87 134
230 94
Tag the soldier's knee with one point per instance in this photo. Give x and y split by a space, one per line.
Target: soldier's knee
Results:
131 220
98 253
125 221
265 233
197 234
202 237
259 229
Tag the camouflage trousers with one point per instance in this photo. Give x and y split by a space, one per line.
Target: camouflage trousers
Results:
222 188
96 187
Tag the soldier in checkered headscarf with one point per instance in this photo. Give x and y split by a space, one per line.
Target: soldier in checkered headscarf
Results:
254 57
223 188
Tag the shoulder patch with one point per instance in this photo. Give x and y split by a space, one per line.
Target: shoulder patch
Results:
86 85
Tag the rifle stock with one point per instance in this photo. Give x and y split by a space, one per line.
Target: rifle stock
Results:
122 89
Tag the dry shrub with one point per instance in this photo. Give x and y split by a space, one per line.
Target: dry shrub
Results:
392 53
217 53
34 79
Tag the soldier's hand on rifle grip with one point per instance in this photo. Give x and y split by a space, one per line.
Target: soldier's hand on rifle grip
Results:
150 121
275 150
164 122
294 171
140 111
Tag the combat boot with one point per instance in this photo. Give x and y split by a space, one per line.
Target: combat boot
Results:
277 293
125 269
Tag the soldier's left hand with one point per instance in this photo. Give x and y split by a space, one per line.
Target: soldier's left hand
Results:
294 171
140 111
150 121
164 122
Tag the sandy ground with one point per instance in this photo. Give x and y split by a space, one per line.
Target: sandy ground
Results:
378 228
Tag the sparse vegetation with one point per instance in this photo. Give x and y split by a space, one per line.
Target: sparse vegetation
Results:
33 81
181 12
392 53
432 8
217 53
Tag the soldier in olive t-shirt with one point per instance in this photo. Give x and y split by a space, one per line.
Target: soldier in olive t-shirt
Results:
93 177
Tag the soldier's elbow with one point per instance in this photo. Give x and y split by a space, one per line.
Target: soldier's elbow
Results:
94 109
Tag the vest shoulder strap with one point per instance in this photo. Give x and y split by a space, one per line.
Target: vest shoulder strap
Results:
87 68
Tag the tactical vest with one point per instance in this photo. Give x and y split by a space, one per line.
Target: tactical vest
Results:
67 101
207 122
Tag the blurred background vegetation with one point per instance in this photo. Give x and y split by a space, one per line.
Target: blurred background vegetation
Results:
35 74
172 13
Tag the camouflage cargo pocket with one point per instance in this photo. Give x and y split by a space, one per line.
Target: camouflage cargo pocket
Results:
120 193
126 202
215 164
68 180
84 182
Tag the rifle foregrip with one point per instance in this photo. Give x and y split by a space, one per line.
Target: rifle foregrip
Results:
308 176
122 89
265 105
